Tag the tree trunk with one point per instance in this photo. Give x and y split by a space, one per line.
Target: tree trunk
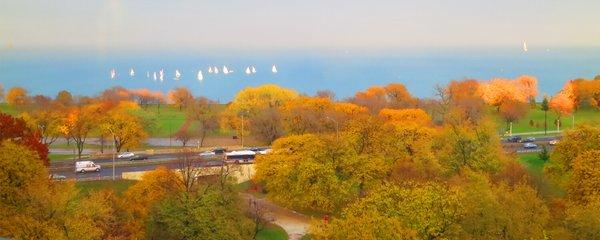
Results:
545 123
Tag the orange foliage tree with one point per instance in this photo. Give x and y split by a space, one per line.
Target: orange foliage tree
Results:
181 97
409 116
393 95
496 91
17 96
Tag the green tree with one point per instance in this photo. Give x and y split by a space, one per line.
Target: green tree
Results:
545 107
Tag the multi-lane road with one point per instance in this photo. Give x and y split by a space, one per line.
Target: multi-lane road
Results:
170 160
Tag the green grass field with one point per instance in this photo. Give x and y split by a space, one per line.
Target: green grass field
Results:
532 162
118 186
272 232
56 157
584 115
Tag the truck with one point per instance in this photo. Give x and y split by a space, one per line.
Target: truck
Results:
86 166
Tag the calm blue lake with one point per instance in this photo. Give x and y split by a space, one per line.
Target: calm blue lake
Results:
344 72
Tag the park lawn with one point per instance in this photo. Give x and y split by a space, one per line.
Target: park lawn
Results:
585 115
532 162
169 119
56 157
272 232
118 186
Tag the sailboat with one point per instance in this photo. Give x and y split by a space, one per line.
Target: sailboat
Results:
253 70
177 74
216 70
147 74
154 75
161 75
199 76
524 46
225 70
210 70
248 72
274 69
113 73
131 72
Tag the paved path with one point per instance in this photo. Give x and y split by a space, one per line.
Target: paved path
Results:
295 224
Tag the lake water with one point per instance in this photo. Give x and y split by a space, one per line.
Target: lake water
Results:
344 72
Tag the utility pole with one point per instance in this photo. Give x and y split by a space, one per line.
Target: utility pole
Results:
242 133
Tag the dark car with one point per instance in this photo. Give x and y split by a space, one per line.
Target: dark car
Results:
514 139
257 149
138 157
219 150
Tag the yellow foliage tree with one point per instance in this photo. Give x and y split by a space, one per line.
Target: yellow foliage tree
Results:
17 96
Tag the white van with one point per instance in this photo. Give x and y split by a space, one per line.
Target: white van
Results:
86 166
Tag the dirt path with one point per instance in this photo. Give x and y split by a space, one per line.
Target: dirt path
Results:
295 224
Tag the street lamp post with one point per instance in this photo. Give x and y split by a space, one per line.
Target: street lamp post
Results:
242 132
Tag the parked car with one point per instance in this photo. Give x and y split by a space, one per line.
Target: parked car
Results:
553 142
514 139
530 145
138 157
529 139
86 166
207 154
126 155
57 177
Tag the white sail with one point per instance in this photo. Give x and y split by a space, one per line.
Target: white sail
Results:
131 72
161 75
253 70
154 75
113 73
225 70
274 69
200 77
525 46
147 74
216 70
210 70
248 72
177 74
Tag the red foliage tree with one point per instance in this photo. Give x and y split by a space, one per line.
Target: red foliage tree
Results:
16 130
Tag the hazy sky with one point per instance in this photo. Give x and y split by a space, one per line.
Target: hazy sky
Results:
281 24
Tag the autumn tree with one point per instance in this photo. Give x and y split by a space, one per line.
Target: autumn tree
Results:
47 122
259 107
184 134
140 198
79 123
393 95
574 143
16 130
463 96
406 116
125 128
64 98
562 105
181 97
428 211
331 170
512 111
326 94
17 96
202 114
497 91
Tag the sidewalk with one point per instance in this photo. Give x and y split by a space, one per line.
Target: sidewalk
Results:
295 224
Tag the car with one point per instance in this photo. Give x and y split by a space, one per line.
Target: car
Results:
126 155
530 145
138 157
86 166
219 150
207 154
514 139
529 139
553 142
57 177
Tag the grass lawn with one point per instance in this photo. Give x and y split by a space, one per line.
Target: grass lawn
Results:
532 162
272 232
583 115
119 186
55 157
